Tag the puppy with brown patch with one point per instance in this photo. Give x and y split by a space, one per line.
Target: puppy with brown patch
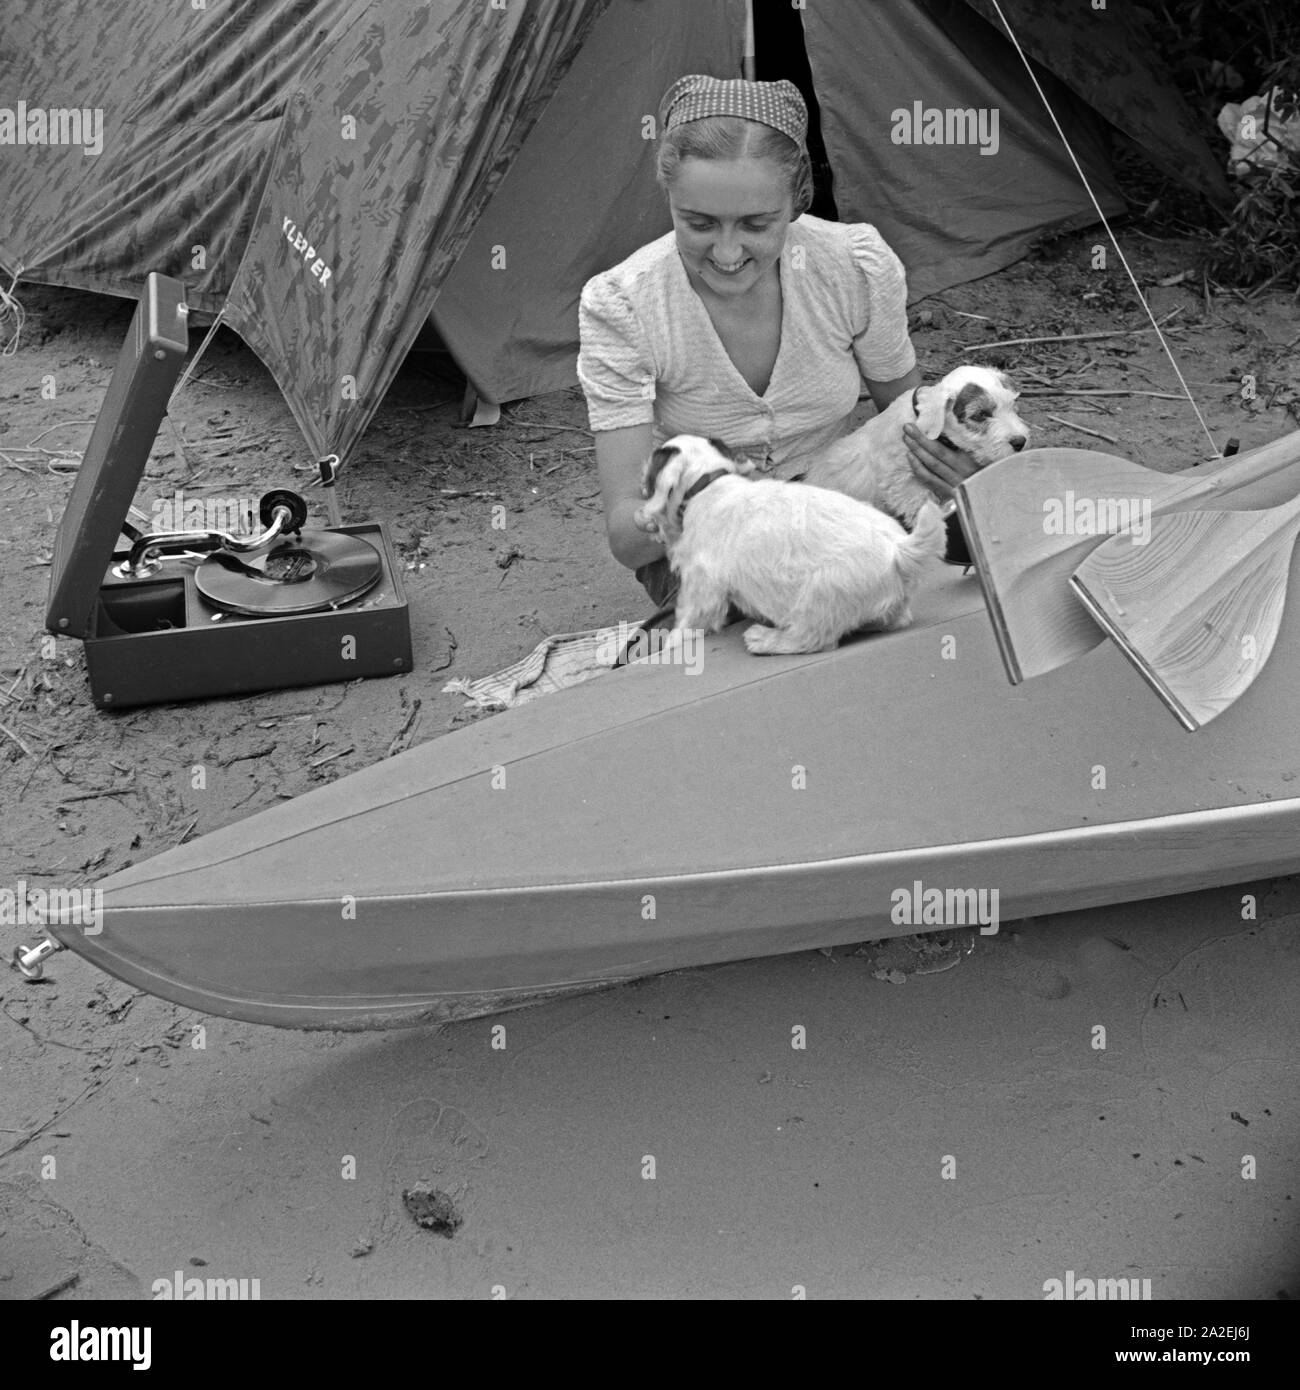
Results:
972 408
813 564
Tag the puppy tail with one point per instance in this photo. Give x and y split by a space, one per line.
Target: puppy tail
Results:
928 541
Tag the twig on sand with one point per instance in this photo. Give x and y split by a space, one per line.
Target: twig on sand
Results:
1063 375
58 1115
399 739
952 309
23 789
58 426
329 757
94 796
1083 429
247 757
66 460
13 685
1073 337
48 1042
5 729
57 1287
1117 391
1264 284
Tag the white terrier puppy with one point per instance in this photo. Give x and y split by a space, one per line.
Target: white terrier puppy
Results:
972 408
814 565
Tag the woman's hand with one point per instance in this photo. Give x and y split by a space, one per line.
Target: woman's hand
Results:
940 467
620 457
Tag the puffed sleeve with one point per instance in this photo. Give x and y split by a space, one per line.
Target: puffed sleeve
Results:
615 365
881 344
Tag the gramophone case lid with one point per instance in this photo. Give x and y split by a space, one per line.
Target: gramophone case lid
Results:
115 458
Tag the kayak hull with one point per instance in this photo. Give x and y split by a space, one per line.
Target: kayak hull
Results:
669 815
406 971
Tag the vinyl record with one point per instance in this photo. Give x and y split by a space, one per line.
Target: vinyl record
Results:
311 572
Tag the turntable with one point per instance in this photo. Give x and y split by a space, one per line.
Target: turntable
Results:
189 614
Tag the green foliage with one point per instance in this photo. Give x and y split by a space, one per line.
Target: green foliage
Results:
1260 241
1219 51
1225 50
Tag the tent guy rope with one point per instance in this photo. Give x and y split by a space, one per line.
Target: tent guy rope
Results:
1119 251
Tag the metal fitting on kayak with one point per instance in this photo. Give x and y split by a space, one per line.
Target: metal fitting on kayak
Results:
29 959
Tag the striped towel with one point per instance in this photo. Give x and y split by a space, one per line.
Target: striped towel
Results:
566 659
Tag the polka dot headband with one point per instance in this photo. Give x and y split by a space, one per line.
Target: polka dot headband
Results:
777 104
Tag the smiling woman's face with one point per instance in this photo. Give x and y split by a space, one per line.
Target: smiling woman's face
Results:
731 217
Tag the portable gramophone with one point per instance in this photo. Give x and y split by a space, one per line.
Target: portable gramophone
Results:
188 614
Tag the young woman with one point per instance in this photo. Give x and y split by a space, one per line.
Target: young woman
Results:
750 321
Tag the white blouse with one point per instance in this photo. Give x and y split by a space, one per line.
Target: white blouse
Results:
649 352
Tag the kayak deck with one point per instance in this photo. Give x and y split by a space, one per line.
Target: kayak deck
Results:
654 819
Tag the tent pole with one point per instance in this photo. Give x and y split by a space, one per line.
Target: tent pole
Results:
747 58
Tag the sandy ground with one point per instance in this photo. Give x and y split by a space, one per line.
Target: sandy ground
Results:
128 1153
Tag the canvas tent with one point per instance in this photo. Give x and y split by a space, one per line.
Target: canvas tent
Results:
330 174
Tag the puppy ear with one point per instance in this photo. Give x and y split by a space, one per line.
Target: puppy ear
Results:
969 399
932 404
724 449
653 469
1005 382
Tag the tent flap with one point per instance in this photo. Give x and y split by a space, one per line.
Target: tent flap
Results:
1097 53
183 156
952 209
390 149
509 307
332 173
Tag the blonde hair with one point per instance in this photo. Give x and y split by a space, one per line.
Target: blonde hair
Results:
733 137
